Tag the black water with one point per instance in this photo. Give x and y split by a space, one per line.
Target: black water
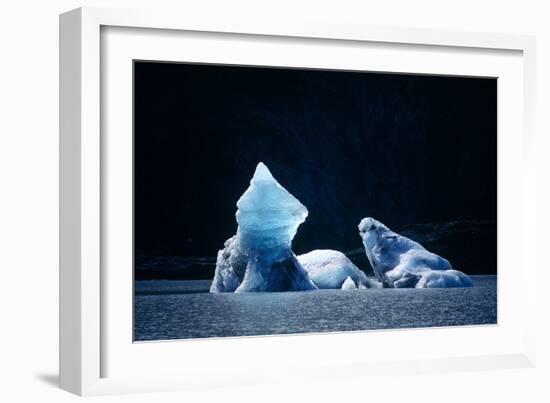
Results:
184 309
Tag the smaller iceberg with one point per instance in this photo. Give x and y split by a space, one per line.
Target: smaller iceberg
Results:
349 284
329 269
400 262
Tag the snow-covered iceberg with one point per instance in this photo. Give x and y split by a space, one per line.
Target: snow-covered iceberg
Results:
259 257
329 269
400 262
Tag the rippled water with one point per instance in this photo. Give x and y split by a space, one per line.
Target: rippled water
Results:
184 309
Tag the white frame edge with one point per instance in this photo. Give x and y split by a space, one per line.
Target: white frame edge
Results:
79 298
80 243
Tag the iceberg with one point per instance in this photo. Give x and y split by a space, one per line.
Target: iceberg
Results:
400 262
349 284
259 257
330 269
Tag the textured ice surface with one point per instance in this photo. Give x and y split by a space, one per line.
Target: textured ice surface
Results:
230 267
400 262
259 256
349 284
443 279
329 269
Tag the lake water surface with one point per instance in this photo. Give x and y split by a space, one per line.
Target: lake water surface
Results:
168 309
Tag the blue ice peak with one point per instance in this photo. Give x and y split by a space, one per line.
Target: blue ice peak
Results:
262 173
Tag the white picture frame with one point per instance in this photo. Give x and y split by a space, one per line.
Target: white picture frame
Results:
91 361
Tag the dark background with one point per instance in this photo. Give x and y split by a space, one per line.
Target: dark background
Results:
415 152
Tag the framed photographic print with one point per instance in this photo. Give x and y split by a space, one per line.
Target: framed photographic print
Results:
418 152
255 194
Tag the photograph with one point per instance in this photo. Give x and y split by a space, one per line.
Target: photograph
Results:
271 200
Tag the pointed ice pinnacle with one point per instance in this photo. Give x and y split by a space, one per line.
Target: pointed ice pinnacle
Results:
262 173
267 214
259 256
